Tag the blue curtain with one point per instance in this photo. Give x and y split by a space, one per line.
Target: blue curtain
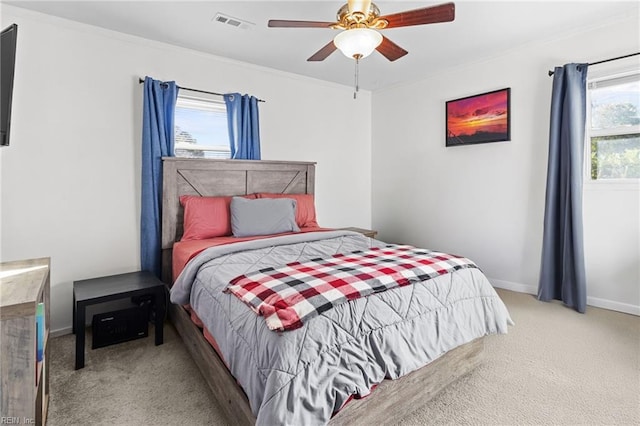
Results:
562 274
157 142
244 129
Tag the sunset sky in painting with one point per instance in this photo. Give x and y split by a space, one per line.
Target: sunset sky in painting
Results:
485 113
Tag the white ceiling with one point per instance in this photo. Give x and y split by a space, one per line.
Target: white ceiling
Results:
481 29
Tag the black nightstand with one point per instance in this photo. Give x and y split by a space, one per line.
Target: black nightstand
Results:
368 232
104 289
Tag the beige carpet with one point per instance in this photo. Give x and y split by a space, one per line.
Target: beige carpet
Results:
555 367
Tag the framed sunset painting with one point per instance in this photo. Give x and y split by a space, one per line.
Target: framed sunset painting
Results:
479 118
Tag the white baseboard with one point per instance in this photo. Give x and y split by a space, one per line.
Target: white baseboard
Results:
591 301
61 332
627 308
508 285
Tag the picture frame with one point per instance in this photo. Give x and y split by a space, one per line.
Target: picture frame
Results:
479 118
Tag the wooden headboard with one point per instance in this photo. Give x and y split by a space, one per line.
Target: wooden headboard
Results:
208 177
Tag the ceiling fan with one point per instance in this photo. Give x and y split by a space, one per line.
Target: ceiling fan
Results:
360 20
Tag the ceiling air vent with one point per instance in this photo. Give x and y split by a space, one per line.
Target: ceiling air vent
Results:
234 22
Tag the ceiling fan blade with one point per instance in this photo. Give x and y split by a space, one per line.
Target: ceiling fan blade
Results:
280 23
323 53
427 15
390 50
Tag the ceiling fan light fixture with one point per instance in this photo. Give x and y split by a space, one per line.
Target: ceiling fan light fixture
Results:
358 42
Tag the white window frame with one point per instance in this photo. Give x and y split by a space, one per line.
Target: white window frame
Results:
205 104
621 184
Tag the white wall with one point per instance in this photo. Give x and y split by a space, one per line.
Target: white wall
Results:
487 201
70 179
69 183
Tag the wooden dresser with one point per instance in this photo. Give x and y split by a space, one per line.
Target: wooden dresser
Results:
24 381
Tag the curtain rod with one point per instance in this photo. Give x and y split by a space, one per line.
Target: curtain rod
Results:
141 80
607 60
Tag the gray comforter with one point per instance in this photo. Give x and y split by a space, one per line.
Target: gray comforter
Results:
303 376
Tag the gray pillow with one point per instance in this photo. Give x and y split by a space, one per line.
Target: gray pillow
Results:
263 216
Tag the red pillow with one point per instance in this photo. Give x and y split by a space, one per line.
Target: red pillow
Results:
206 217
305 208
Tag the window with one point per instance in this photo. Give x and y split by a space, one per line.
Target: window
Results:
614 129
201 128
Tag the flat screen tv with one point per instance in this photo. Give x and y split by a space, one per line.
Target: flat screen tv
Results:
7 67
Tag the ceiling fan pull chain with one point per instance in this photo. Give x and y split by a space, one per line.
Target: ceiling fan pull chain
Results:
356 84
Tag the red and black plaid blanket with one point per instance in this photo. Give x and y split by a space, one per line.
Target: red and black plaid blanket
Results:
289 295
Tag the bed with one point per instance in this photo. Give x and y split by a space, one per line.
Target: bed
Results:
288 391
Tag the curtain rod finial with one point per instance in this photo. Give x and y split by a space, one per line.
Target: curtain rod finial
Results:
550 73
